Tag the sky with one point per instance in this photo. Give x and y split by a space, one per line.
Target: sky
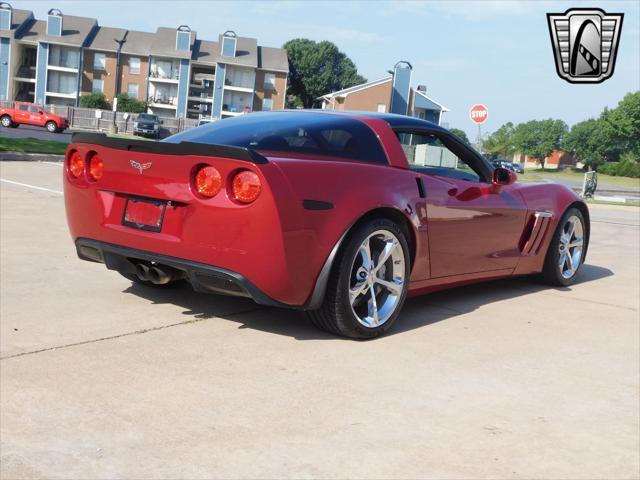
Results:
497 53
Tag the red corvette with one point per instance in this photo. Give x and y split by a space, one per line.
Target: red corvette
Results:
343 215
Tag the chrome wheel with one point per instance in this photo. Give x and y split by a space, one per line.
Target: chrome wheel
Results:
6 122
51 127
377 278
571 246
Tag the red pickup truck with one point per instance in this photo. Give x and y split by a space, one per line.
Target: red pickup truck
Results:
32 114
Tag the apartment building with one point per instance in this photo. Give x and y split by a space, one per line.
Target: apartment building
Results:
390 94
12 58
177 74
234 75
48 56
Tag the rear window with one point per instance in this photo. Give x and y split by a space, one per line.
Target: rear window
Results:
297 132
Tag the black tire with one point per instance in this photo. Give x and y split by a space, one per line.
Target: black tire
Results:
552 271
336 314
167 286
6 121
15 125
51 126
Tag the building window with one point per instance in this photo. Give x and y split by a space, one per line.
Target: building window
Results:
382 108
61 82
99 61
134 65
97 86
269 81
267 104
228 47
5 18
65 57
183 40
132 90
54 24
240 77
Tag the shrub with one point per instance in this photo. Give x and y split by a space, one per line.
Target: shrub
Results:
94 100
131 105
608 168
628 166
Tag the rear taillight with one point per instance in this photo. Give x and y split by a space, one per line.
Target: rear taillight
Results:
208 181
96 168
76 164
246 186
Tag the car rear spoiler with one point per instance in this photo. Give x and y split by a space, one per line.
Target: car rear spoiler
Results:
182 148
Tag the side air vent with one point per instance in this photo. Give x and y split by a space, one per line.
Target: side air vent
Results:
541 222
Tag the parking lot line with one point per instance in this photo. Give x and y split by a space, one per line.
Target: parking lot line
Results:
30 186
52 163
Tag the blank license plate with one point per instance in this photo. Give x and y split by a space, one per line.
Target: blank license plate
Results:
144 214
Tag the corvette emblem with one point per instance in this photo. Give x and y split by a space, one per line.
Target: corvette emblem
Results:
140 166
585 43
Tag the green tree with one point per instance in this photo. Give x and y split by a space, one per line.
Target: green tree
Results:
623 124
500 142
608 138
460 133
538 138
318 68
590 142
131 105
94 100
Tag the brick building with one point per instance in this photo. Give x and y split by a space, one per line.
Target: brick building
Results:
390 94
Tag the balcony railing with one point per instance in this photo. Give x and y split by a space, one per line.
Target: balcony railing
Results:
231 83
71 63
173 75
26 71
163 100
236 108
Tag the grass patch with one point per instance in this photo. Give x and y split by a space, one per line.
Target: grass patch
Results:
32 145
628 203
541 175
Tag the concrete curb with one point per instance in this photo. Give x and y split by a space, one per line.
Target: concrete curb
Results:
30 157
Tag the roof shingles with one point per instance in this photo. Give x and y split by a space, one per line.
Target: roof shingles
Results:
18 17
75 31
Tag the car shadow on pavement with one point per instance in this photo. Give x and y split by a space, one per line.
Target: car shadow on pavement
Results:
431 308
418 312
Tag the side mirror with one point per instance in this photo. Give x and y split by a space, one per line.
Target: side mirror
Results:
504 176
161 122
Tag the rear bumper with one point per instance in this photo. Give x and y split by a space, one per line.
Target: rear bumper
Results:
202 277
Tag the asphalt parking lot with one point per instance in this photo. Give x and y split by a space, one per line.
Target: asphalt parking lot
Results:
39 133
509 379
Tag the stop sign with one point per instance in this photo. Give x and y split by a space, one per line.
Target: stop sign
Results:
479 113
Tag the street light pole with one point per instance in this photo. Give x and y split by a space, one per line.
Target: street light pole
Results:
120 43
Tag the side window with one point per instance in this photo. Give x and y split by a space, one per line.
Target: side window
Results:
337 139
24 108
427 154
